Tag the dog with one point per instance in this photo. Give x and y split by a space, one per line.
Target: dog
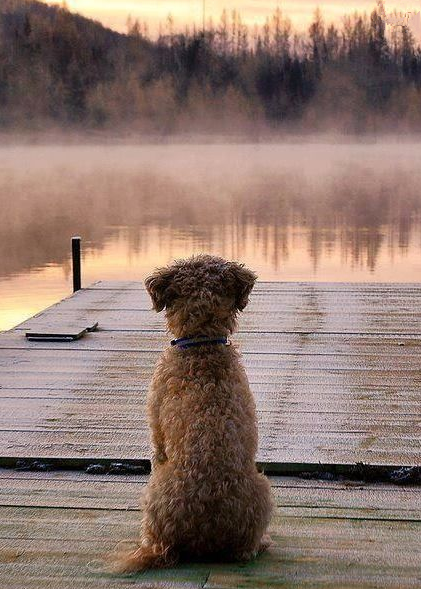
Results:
205 499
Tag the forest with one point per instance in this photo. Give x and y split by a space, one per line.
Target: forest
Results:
59 70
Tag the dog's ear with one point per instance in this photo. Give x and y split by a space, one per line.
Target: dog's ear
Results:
244 280
159 288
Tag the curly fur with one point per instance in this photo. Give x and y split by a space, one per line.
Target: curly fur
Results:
205 498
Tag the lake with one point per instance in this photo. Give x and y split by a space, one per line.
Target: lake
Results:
292 212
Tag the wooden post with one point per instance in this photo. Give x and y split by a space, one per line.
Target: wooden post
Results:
77 281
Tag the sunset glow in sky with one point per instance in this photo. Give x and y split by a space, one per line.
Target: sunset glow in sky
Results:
114 13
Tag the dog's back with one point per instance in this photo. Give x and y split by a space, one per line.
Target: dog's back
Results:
207 410
213 498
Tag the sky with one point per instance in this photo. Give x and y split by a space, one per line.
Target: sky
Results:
114 13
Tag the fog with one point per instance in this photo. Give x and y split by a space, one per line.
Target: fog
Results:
293 212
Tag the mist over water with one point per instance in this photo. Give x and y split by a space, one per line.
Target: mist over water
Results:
312 212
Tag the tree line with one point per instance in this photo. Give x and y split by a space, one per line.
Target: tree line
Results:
63 70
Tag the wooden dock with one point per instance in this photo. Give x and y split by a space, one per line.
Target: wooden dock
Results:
336 372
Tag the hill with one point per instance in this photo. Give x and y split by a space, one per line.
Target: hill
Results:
61 70
52 61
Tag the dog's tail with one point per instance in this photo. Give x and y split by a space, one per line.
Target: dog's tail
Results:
144 557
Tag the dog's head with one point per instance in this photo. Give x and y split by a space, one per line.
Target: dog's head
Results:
201 295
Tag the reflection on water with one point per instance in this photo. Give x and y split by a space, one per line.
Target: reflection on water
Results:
292 212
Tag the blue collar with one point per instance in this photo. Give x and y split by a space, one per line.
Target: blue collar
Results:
184 343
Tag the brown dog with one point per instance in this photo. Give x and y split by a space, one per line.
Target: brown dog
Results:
205 498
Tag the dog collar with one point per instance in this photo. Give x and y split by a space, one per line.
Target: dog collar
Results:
201 340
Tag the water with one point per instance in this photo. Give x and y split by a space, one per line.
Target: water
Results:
291 212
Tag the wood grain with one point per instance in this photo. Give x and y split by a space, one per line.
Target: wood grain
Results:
334 368
325 534
273 308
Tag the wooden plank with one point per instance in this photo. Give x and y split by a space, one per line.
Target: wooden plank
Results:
279 445
262 343
64 333
306 308
129 412
324 535
46 369
40 359
316 388
294 496
134 376
383 323
367 300
278 286
328 555
307 399
271 380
